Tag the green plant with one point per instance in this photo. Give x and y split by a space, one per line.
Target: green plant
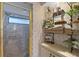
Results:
44 23
75 44
72 43
72 12
48 24
73 9
68 43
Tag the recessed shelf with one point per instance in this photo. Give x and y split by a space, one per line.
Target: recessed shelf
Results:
60 31
60 50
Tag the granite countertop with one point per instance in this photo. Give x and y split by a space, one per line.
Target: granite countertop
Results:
60 50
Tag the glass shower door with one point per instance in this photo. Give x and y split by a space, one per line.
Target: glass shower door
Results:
16 37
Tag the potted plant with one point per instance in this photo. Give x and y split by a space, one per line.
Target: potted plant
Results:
48 24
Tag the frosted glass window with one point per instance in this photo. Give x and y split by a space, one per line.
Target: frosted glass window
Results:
18 20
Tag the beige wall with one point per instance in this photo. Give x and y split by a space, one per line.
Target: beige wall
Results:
0 29
38 17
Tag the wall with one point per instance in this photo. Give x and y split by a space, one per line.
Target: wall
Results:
0 29
38 17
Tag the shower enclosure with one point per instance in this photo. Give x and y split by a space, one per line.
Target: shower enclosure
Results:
16 30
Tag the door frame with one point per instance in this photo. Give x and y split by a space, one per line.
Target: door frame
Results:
1 30
30 32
